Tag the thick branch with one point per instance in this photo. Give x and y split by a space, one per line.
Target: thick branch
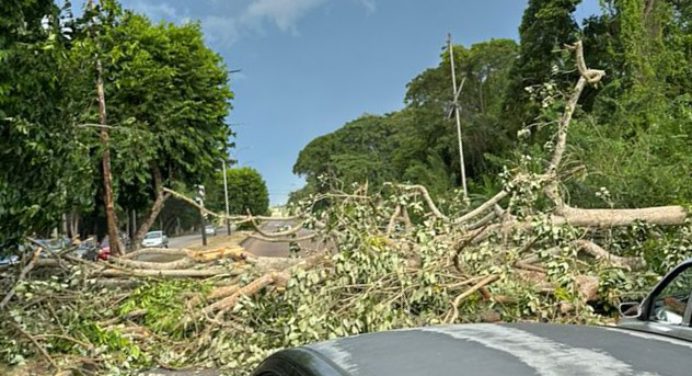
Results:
277 234
393 220
177 273
591 76
599 253
183 263
603 218
155 251
455 304
283 240
424 192
234 218
155 208
482 208
259 283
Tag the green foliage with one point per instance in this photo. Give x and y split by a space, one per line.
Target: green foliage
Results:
545 27
164 304
43 167
167 97
360 151
636 141
247 191
418 144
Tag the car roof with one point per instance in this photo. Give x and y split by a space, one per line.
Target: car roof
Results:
508 349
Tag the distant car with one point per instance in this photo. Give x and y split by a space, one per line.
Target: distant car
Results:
47 246
52 245
155 239
210 230
654 338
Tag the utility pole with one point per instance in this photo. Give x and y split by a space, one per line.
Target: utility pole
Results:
457 115
202 216
225 194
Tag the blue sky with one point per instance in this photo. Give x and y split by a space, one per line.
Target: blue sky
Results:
309 66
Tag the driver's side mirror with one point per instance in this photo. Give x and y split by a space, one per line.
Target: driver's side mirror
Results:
630 310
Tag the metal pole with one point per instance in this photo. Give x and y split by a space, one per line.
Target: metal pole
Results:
225 193
202 219
204 230
457 115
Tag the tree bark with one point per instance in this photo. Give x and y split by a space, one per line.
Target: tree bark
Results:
108 200
175 273
602 218
153 212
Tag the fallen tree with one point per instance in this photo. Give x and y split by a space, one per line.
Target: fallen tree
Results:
387 260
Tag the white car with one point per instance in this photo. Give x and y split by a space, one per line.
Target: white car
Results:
155 239
210 230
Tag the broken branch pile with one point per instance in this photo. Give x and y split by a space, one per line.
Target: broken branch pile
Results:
391 259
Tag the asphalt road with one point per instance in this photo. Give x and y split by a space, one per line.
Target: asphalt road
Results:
276 249
192 240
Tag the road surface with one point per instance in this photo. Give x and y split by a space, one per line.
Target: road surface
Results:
193 239
276 249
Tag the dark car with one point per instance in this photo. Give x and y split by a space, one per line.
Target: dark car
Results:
653 339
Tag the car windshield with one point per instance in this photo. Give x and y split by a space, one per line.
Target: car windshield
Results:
154 235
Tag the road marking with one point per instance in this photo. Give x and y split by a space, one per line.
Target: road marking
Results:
547 357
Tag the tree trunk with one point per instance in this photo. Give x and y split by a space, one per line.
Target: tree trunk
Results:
74 224
154 212
111 219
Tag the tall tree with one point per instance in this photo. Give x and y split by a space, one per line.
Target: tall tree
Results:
636 142
168 96
360 151
247 191
430 135
43 167
545 27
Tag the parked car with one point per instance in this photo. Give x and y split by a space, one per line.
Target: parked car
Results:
210 230
653 338
155 239
47 246
51 245
9 260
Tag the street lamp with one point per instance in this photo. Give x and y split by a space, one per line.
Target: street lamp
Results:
225 193
201 193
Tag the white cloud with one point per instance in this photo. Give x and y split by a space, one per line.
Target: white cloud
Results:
284 13
370 6
225 22
220 30
158 11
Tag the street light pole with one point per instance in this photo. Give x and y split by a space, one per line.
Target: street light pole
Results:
457 115
225 193
202 220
